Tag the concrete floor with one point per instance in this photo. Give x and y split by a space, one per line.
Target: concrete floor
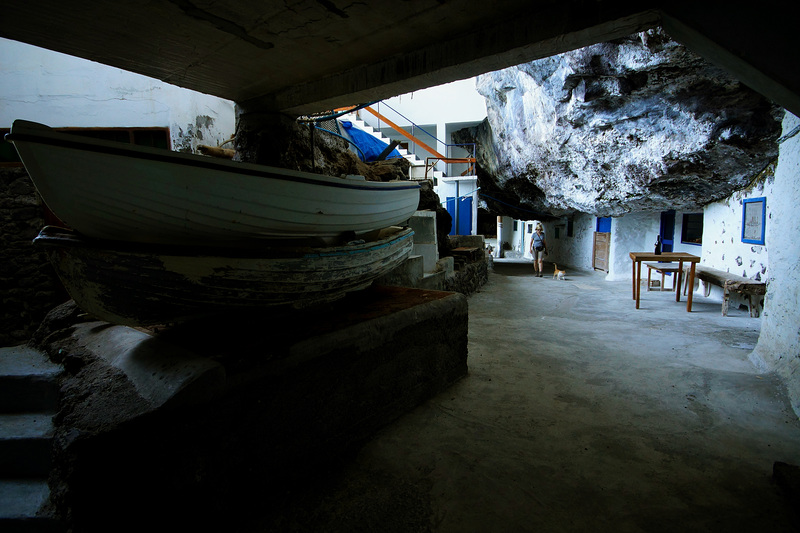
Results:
579 413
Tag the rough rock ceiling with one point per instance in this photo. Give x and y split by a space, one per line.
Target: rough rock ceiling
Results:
637 124
306 55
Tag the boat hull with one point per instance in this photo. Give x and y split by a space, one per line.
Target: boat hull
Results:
145 285
114 191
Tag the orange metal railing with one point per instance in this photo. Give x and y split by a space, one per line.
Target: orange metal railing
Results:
430 162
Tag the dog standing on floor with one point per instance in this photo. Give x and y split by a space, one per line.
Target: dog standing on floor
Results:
558 274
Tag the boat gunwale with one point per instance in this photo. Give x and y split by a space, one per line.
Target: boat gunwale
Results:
54 237
36 133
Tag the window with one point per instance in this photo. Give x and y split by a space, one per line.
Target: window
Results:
754 213
516 225
570 228
692 228
530 228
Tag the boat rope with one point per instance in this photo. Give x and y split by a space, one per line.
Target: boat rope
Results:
789 135
464 195
309 118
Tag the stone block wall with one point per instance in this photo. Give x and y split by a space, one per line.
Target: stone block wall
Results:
471 276
28 284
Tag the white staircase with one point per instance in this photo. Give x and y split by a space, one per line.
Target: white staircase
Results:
417 170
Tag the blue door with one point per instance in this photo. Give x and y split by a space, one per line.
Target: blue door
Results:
451 209
604 224
461 214
464 222
667 231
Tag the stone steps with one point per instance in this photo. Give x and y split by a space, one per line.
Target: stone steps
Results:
28 401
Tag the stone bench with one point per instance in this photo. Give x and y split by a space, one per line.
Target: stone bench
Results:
752 289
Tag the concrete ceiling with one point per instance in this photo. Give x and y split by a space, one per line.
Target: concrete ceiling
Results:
310 55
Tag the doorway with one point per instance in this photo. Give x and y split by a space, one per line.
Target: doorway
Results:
667 230
602 244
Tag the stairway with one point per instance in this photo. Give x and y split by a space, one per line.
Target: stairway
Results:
417 170
28 401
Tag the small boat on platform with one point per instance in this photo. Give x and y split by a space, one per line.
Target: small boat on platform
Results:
140 285
119 192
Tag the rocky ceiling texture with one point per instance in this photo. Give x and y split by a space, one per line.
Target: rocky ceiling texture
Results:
637 124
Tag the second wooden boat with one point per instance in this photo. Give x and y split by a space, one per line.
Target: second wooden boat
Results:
145 285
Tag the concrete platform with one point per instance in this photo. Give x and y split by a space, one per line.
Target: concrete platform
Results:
579 413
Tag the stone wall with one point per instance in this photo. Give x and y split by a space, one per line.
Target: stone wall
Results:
28 283
471 276
778 348
469 279
722 231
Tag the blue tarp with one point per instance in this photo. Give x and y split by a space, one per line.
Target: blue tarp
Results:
370 146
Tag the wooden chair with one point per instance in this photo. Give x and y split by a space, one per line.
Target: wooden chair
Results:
662 268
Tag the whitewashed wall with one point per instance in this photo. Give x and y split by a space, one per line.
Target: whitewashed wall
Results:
778 347
575 252
723 248
458 101
519 236
634 232
525 236
64 91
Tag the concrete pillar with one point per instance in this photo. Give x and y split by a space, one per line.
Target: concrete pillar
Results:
498 249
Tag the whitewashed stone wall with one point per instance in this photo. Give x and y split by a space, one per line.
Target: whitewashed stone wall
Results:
778 347
723 248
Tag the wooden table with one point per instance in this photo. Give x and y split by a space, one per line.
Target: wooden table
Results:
667 257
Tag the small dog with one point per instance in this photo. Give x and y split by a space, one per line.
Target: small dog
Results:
558 274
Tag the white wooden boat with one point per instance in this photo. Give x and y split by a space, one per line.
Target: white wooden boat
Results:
138 285
115 191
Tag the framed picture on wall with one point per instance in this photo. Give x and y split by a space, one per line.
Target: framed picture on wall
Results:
754 213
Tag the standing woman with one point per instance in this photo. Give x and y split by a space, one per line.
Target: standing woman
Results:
538 249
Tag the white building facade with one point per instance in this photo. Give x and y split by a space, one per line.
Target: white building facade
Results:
63 91
431 116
